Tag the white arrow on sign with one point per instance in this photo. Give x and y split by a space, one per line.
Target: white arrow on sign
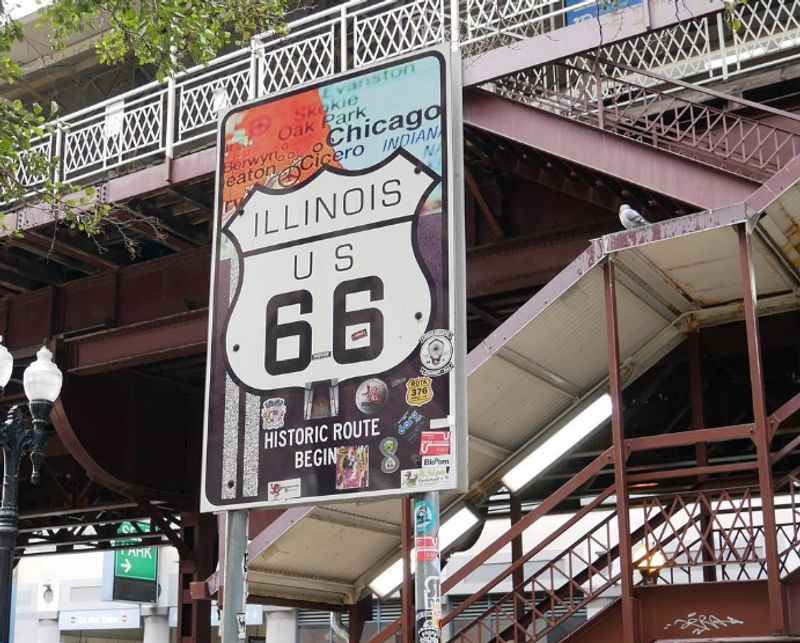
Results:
127 566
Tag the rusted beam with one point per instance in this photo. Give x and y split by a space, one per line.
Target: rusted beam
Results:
171 225
519 563
486 211
406 596
194 196
652 169
133 222
76 248
786 450
777 607
518 575
554 180
701 449
142 292
629 633
44 272
692 472
160 339
485 315
527 262
688 438
551 502
783 413
288 602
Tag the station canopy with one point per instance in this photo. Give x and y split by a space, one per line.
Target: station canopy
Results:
546 366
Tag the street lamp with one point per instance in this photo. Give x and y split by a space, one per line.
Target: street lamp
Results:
18 436
649 563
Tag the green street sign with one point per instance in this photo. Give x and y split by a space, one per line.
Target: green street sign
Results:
138 563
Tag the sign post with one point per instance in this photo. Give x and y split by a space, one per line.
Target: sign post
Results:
233 626
428 607
337 334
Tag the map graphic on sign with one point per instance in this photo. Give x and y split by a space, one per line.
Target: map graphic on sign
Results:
335 253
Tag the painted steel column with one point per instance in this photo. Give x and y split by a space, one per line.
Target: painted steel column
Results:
234 596
194 616
407 604
427 575
777 615
156 625
281 626
701 450
357 621
518 575
629 633
47 629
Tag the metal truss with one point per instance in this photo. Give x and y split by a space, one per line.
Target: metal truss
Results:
180 113
619 99
96 528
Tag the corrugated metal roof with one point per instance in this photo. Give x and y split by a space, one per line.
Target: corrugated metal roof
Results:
549 356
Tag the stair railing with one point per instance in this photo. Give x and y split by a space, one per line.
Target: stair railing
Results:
606 95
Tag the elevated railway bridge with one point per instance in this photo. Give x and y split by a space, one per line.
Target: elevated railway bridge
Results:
679 501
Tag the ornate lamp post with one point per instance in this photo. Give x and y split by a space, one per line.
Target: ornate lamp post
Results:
18 437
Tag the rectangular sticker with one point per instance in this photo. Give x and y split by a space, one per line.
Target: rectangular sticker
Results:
435 461
284 489
427 548
434 443
422 478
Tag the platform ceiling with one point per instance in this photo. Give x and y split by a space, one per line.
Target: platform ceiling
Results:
549 359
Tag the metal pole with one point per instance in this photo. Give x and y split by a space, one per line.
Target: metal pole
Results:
455 25
618 453
701 452
405 593
8 536
235 569
171 117
518 575
427 577
777 616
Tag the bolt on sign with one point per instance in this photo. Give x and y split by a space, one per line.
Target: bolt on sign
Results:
336 342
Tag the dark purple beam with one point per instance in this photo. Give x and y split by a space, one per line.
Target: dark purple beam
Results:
652 169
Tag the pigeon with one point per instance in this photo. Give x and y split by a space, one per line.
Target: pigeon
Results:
630 218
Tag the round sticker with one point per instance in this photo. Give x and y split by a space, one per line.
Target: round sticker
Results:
371 395
436 352
389 446
390 464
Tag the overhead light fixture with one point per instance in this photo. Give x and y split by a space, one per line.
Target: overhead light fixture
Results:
450 531
389 579
559 443
456 526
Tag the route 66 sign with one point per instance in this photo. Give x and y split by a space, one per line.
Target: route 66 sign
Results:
337 284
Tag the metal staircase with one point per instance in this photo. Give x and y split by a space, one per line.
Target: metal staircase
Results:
713 533
669 115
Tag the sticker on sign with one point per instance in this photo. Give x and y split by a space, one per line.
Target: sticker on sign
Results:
358 225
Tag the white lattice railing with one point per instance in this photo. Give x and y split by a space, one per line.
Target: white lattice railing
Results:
181 113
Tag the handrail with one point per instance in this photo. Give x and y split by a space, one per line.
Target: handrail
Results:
351 39
747 147
665 503
576 517
552 501
701 89
516 530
